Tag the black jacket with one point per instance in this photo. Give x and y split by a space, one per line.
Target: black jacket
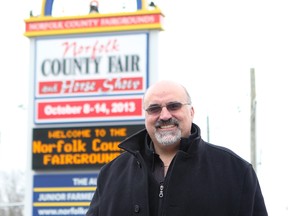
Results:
203 180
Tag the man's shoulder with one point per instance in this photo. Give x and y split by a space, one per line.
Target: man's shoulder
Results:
225 153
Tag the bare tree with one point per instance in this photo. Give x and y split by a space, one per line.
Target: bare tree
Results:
12 193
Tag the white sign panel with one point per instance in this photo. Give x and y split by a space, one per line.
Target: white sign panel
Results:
91 65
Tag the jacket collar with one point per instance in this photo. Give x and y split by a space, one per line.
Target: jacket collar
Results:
139 142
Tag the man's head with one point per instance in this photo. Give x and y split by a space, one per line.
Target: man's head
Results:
168 113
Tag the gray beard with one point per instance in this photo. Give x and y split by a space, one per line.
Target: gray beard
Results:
168 138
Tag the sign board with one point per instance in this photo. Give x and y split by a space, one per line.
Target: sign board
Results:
91 65
131 21
63 194
85 68
98 109
78 147
98 68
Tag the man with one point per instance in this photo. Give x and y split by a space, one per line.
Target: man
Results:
169 170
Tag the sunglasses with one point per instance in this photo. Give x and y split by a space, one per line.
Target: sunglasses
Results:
171 107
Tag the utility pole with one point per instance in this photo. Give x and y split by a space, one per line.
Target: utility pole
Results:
253 120
208 128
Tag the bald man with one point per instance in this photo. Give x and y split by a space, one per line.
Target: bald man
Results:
168 169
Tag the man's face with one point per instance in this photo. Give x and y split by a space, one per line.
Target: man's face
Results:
168 114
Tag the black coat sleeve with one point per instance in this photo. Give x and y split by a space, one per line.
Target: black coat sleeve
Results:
252 201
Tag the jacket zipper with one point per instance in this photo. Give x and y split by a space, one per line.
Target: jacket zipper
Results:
161 190
161 194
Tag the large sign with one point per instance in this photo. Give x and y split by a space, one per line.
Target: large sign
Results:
64 194
78 147
89 73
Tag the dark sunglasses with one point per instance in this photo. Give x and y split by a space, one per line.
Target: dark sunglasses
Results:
173 106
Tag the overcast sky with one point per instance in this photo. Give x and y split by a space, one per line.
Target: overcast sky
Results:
209 46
